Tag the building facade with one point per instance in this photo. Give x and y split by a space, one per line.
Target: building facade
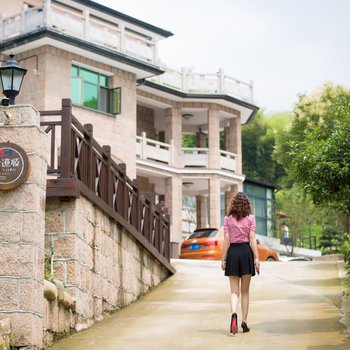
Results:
262 198
165 125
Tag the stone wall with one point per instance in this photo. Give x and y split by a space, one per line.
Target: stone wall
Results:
98 261
22 218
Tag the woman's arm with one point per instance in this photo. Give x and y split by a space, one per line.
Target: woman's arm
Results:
254 246
224 250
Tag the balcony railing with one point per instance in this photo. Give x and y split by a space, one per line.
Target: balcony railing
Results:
218 83
228 161
81 24
196 157
148 149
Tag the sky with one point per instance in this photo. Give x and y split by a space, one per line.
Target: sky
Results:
286 47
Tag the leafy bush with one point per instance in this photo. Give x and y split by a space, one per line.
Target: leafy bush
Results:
330 241
346 249
346 252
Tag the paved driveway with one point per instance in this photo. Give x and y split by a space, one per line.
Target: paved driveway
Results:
294 305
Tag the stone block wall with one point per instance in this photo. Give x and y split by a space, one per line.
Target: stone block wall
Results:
22 230
98 261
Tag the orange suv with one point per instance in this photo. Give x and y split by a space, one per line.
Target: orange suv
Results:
207 244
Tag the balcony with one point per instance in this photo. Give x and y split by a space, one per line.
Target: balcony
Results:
160 152
203 83
83 25
196 157
199 157
148 149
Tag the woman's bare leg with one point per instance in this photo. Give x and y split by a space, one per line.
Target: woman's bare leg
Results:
234 284
245 283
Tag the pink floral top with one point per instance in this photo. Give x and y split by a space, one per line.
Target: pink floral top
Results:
238 231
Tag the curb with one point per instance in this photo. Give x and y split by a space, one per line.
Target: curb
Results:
345 301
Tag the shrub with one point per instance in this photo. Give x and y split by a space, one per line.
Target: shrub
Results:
330 241
346 252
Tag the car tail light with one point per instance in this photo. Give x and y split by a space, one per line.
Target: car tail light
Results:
210 243
183 245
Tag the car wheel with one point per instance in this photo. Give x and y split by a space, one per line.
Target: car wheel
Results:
270 258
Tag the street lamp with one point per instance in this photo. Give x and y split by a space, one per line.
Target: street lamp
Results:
11 78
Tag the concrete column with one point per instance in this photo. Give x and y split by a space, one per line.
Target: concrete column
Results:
173 201
202 219
214 201
22 230
214 139
233 141
173 135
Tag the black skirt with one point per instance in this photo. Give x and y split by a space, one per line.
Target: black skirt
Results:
239 260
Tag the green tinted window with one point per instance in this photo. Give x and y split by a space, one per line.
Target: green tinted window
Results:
262 200
260 207
88 75
115 101
74 71
261 228
90 89
90 95
103 81
76 90
103 101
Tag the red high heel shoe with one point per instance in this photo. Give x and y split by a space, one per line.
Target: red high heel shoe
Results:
233 327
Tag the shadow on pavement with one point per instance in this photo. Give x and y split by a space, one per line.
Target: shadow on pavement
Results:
319 282
322 266
344 346
296 327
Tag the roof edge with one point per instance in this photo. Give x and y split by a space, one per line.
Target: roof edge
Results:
52 34
182 94
261 182
127 18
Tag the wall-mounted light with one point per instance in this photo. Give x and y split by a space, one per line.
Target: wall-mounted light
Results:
187 184
11 78
187 116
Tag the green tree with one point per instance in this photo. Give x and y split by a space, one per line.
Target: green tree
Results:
188 140
299 209
330 241
258 143
316 150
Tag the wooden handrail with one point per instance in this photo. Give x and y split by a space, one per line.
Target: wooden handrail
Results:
82 159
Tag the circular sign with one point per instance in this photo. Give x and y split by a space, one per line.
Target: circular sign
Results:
14 166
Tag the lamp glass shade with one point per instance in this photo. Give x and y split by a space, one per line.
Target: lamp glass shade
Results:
12 78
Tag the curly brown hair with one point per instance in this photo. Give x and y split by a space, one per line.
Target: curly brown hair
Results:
239 206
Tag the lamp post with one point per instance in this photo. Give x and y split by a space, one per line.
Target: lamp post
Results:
11 78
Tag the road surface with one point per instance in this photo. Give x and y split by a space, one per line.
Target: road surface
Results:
294 305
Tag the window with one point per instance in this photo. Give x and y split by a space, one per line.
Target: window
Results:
91 89
262 200
204 233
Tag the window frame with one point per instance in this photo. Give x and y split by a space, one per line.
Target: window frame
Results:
112 106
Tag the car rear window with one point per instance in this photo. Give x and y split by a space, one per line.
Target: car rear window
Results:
203 234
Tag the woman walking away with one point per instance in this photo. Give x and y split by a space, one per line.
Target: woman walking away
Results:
240 257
